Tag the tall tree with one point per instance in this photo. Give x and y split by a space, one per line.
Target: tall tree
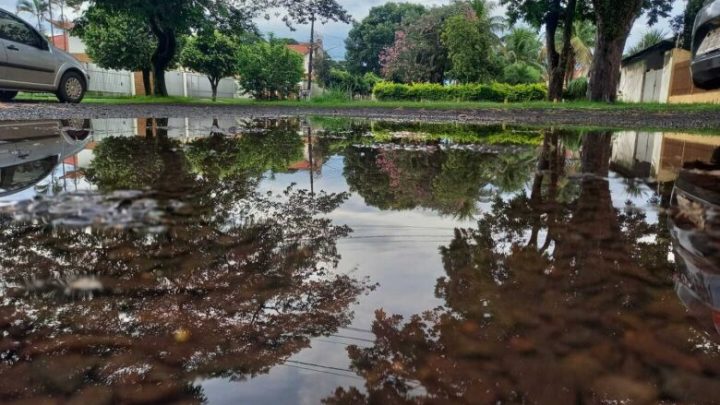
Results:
269 70
614 21
418 54
117 41
556 16
376 32
468 39
38 9
213 54
683 23
522 44
170 18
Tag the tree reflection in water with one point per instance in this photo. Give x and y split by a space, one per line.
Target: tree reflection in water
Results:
449 181
555 297
235 284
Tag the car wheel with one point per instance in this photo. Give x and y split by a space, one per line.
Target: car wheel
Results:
7 95
72 88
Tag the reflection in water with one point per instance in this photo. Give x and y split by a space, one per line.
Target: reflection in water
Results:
554 280
236 284
695 230
29 152
584 316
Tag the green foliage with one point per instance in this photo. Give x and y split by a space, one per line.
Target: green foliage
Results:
332 96
684 23
116 40
213 54
251 155
651 37
169 19
496 92
352 84
376 32
577 89
418 53
468 41
521 73
522 45
116 163
270 70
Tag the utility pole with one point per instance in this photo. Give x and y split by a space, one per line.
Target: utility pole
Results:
312 54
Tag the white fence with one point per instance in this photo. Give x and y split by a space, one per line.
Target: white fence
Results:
182 84
110 82
188 84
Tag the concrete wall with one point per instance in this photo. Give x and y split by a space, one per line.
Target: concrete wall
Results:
682 90
632 80
667 75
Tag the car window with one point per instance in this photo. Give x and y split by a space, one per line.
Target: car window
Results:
14 30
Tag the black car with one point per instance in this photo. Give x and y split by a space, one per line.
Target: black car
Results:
706 47
695 230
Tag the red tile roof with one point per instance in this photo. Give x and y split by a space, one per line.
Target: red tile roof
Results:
302 49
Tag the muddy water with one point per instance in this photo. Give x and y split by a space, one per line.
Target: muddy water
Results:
321 260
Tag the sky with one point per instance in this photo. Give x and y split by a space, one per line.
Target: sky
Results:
334 34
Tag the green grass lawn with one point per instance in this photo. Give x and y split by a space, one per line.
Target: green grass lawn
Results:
431 105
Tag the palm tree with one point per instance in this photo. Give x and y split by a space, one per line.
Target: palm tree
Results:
650 38
581 51
37 8
583 42
484 10
522 44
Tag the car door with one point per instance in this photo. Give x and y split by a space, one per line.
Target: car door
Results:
30 62
3 61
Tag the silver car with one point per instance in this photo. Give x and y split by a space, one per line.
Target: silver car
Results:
29 63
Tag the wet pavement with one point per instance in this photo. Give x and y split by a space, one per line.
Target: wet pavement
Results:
325 260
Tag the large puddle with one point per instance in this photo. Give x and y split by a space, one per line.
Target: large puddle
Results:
324 260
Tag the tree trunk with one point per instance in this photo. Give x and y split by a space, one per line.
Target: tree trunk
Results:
164 54
553 57
596 153
557 62
613 20
146 81
214 82
605 72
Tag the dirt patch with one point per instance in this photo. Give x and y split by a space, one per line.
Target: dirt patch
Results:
533 116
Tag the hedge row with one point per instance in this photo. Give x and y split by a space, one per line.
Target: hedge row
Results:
498 92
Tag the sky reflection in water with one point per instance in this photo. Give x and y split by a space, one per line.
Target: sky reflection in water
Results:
300 261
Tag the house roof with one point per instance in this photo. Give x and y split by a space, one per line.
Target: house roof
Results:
661 47
302 49
63 25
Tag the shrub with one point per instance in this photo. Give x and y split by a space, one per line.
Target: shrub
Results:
521 73
333 95
497 92
269 70
577 89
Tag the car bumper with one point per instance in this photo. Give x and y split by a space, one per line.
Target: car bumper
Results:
706 71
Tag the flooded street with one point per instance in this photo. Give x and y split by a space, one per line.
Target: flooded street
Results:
326 260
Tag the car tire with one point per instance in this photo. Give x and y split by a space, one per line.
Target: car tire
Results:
72 88
7 95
